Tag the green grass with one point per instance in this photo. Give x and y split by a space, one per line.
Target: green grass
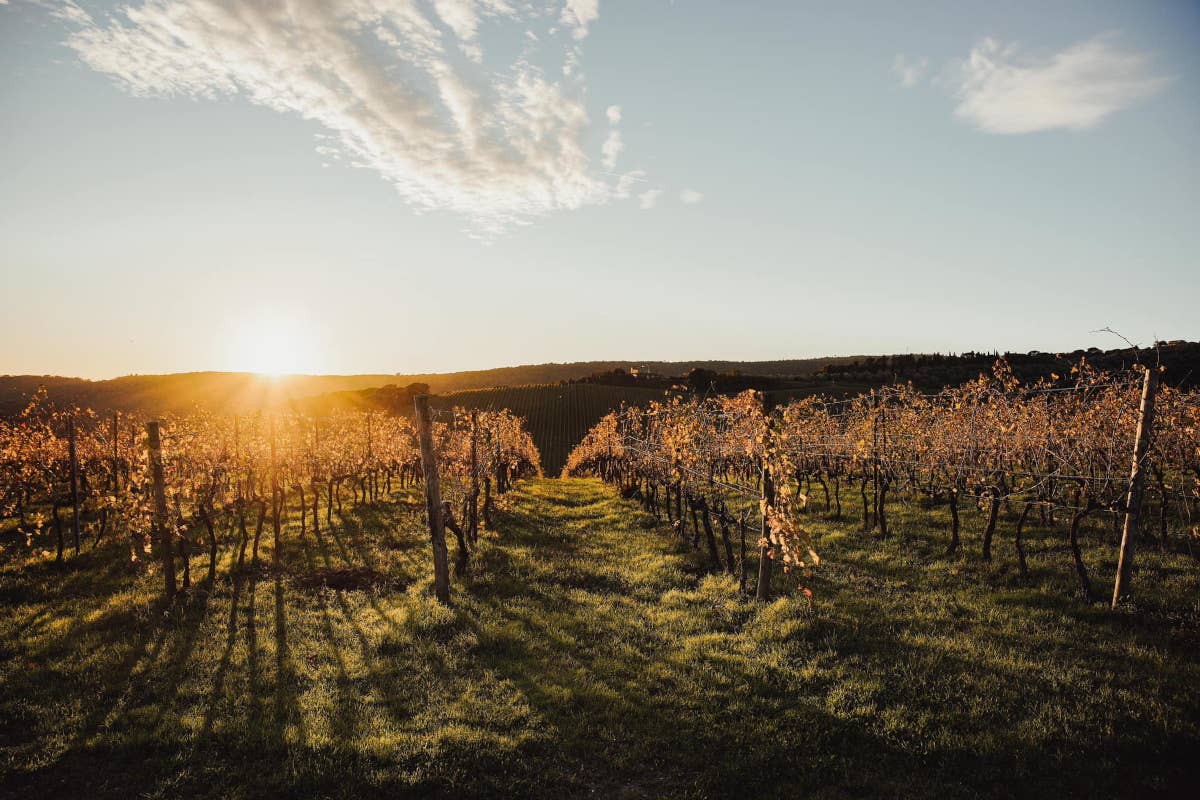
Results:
588 654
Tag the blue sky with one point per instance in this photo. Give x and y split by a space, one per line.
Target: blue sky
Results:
402 186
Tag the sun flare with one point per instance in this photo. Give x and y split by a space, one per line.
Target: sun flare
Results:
273 346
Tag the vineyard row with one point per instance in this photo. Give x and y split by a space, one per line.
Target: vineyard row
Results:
168 485
1096 442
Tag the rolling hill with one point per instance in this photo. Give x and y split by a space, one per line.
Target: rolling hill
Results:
243 391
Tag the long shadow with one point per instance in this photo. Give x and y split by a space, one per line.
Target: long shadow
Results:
566 639
343 724
122 681
868 762
35 621
218 683
86 602
287 706
253 674
173 673
351 539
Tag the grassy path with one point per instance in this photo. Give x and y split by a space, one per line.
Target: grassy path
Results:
586 655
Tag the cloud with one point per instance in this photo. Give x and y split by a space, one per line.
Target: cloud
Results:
909 70
611 149
625 183
690 196
649 199
1002 91
460 15
578 14
63 10
499 143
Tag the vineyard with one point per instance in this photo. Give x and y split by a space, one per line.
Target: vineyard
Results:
1099 444
886 594
182 486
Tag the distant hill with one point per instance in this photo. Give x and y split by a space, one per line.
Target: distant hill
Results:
222 391
243 392
540 374
782 379
1181 360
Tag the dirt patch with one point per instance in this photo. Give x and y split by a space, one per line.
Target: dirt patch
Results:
346 579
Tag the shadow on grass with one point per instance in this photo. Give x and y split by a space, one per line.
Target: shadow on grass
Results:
585 656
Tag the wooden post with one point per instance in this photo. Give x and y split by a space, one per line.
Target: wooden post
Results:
473 517
501 486
74 455
1137 483
154 444
368 489
874 458
116 459
433 500
276 499
742 555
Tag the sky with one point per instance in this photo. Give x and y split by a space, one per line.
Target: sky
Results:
399 186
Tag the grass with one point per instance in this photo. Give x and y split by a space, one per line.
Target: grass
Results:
589 654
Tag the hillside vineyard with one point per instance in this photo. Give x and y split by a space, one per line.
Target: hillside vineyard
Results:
1099 443
168 486
1067 451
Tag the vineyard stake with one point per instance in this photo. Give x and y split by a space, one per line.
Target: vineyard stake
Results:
433 500
116 473
874 458
473 518
1137 483
276 499
74 454
154 445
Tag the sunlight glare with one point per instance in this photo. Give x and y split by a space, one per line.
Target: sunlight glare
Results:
273 345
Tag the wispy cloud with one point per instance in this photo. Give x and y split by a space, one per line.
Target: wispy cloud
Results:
578 14
64 10
909 70
649 199
626 183
610 151
1000 90
400 87
690 196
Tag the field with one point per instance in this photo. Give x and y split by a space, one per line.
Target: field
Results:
588 654
557 416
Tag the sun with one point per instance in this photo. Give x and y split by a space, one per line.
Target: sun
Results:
272 345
